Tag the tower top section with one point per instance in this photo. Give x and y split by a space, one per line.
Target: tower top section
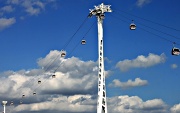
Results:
100 9
4 102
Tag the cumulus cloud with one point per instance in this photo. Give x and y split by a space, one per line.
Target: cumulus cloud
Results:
175 108
7 9
74 89
73 76
141 3
174 66
6 22
129 84
13 1
75 103
87 104
76 80
141 62
134 104
32 7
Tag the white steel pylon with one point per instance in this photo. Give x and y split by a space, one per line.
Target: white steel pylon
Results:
4 105
99 11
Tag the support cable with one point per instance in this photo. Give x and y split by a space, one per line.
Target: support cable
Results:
77 44
52 61
150 21
67 43
75 33
151 27
67 56
147 31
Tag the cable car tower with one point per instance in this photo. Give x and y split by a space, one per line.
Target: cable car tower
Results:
99 11
4 105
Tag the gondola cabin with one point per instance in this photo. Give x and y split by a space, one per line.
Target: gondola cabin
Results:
34 93
23 95
83 42
63 53
11 103
175 51
53 76
132 26
39 82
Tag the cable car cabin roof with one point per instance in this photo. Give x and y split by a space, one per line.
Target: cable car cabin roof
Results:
175 51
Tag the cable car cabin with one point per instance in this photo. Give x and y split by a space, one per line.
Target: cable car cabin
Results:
63 53
34 93
39 81
132 26
175 51
83 42
23 95
53 76
11 103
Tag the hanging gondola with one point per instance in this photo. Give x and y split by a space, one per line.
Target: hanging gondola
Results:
12 103
39 82
132 26
54 76
23 95
63 53
83 42
34 93
175 51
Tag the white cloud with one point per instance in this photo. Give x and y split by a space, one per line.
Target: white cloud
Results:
174 66
134 104
33 11
76 103
13 1
6 22
31 7
7 9
70 79
129 84
175 108
141 62
140 3
87 104
73 90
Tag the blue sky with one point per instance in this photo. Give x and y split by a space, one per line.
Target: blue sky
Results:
141 74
